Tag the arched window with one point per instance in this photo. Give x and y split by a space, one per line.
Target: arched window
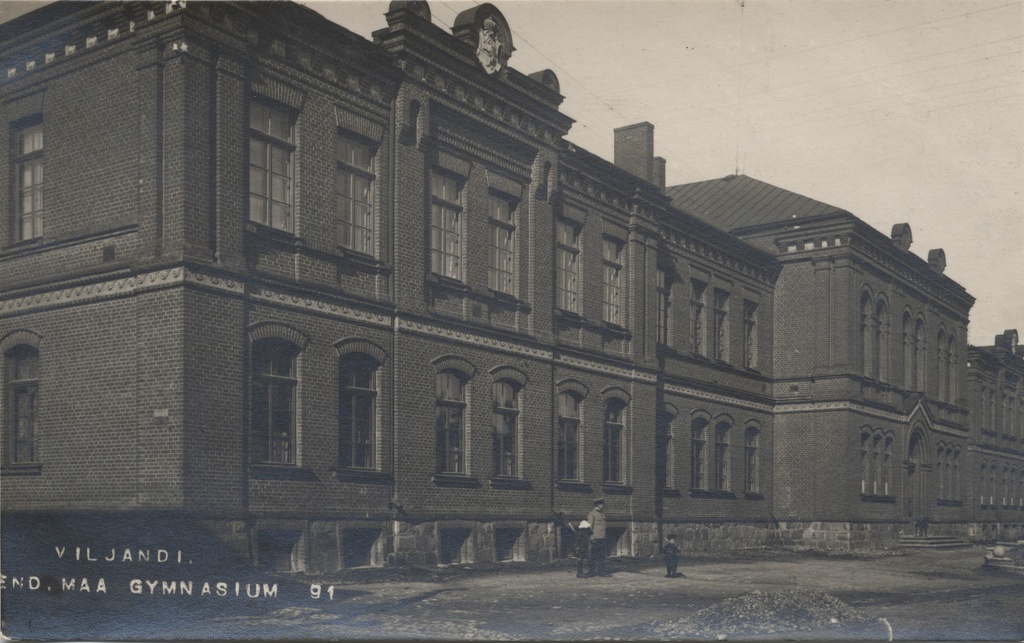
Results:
274 384
698 465
451 421
920 351
722 455
22 400
983 484
866 475
886 473
876 463
907 367
941 365
568 435
506 429
953 380
665 455
881 343
357 411
751 464
940 456
1006 485
867 335
956 474
614 435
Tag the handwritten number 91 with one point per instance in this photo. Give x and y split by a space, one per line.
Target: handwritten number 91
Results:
315 591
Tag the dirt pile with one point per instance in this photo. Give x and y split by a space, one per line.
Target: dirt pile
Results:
763 613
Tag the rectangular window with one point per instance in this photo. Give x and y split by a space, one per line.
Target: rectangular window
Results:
357 412
664 295
698 447
506 419
567 253
720 335
274 385
612 260
665 453
613 435
29 164
750 334
568 436
353 195
722 458
502 251
750 462
697 324
450 423
445 227
22 379
271 147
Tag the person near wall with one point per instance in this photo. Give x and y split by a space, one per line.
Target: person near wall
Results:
672 552
582 550
599 539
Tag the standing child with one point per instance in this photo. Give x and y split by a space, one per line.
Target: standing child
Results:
672 552
582 550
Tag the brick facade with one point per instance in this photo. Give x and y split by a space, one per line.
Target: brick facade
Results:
731 361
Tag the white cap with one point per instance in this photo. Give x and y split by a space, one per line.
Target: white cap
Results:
584 525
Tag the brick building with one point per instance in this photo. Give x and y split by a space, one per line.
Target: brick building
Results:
347 303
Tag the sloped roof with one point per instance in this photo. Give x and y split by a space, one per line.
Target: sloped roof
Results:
738 201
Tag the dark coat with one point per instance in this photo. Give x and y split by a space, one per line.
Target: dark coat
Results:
582 549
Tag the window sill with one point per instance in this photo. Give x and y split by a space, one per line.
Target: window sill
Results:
942 502
457 480
365 476
614 330
513 484
506 299
874 497
573 485
276 234
569 317
750 495
435 280
22 469
281 472
616 488
668 492
717 495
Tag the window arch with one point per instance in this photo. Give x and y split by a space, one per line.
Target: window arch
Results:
723 425
450 421
751 458
506 442
941 365
21 381
357 411
614 438
665 456
274 415
699 438
867 334
881 340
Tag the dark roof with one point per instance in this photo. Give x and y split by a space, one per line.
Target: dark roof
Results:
738 201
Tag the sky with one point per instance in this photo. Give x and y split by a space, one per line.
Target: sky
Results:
899 111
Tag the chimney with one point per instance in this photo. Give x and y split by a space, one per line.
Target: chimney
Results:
659 172
634 150
937 260
901 236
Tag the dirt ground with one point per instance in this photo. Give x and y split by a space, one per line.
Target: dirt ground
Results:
923 595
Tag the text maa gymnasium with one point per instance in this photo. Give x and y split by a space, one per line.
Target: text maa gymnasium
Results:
334 303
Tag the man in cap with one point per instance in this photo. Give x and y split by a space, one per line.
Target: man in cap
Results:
599 539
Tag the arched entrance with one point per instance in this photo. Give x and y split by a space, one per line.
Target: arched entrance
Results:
917 468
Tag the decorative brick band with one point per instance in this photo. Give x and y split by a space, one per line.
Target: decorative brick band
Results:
269 296
717 397
597 367
471 338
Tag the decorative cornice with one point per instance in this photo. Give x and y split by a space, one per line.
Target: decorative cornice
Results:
718 397
423 328
301 302
607 369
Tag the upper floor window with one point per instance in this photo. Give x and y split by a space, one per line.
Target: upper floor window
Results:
568 436
445 226
506 429
502 252
274 384
698 453
271 147
920 353
750 334
29 163
720 349
697 313
357 412
614 435
612 301
665 463
567 267
353 195
22 398
664 296
451 422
